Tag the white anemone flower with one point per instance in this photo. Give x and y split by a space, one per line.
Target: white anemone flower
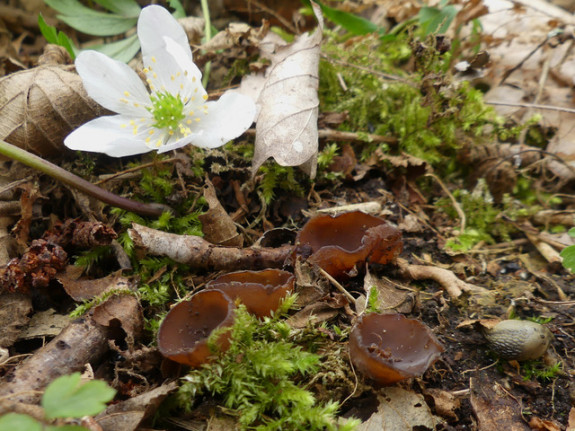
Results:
168 113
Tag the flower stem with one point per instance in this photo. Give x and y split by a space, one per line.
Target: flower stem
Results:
208 34
28 159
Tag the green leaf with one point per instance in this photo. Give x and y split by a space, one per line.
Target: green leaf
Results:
121 50
101 25
572 232
352 23
90 21
129 8
568 255
179 9
15 421
50 33
53 36
65 397
434 20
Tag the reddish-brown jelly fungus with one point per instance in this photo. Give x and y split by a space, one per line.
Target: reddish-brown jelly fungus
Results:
260 291
337 244
183 335
389 347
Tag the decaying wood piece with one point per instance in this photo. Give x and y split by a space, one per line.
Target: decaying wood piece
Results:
82 342
447 279
198 253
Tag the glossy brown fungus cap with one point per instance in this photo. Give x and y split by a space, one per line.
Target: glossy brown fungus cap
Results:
337 244
260 291
183 335
389 347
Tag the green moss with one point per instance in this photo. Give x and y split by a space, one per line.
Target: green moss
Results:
257 378
284 178
484 220
426 110
538 370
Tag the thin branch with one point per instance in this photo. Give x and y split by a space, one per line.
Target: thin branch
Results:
532 105
201 254
68 178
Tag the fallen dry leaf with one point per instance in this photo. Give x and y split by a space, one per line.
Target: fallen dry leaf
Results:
126 310
400 410
127 415
445 403
217 226
82 290
389 298
493 408
45 324
286 127
40 106
14 310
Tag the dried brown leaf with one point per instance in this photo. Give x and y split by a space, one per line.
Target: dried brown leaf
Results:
41 106
286 127
217 226
14 310
400 410
125 309
82 290
127 415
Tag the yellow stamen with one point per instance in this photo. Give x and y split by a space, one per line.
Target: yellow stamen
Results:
126 94
153 59
205 97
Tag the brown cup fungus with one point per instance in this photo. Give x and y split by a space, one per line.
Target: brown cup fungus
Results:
337 244
183 335
389 347
260 291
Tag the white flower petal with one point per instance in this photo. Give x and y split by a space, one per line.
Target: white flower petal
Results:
154 23
226 119
169 69
106 135
112 84
175 144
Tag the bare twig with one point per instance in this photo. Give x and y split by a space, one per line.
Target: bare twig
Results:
81 342
453 201
531 105
62 175
338 286
447 279
199 253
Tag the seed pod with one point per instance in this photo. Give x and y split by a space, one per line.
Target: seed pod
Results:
518 339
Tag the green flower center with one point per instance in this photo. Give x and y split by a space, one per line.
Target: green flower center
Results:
168 110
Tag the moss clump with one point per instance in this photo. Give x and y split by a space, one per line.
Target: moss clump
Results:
257 378
484 221
423 107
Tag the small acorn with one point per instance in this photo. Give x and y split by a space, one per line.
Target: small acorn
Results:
520 340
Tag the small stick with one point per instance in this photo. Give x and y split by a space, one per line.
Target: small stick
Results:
201 254
338 286
447 279
453 201
81 342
